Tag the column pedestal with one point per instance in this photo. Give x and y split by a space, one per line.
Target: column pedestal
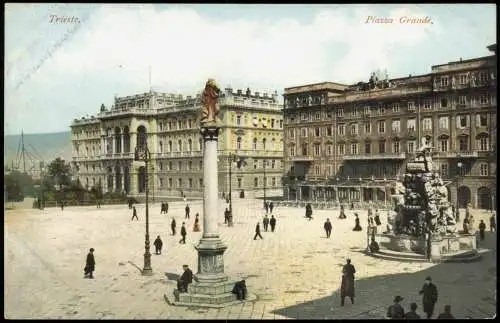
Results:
211 286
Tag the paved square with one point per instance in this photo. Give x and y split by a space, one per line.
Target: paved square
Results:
295 271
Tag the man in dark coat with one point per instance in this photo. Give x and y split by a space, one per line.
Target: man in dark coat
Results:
226 215
183 233
185 279
134 214
266 206
396 311
162 210
271 207
173 226
265 222
493 225
429 290
347 286
412 314
257 232
447 313
240 289
89 264
158 244
482 230
166 207
272 222
328 228
187 211
309 211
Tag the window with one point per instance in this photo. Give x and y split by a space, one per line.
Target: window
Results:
483 99
329 150
303 132
179 182
463 143
354 112
316 150
411 106
200 182
381 146
317 116
303 116
462 100
341 149
368 148
444 123
354 148
444 102
272 123
483 77
304 150
169 183
190 183
443 145
462 79
281 124
381 110
381 126
341 129
411 124
411 146
396 147
444 81
179 165
255 182
340 112
291 133
482 120
179 145
264 143
190 123
427 105
161 166
329 131
395 107
254 144
483 169
170 166
316 132
483 143
291 151
238 120
274 181
462 121
239 182
354 129
368 127
427 124
238 143
396 126
190 165
200 165
368 110
444 170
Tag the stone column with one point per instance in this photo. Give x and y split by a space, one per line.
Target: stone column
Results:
210 248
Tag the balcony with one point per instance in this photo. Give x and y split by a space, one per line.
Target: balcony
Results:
374 156
179 154
252 153
301 158
451 154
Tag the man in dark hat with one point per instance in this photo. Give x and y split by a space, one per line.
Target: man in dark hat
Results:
185 280
347 286
429 290
183 233
89 264
482 230
396 311
158 244
412 314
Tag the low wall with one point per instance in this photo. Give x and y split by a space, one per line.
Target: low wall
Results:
401 243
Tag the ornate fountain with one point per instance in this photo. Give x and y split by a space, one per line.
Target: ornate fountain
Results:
424 222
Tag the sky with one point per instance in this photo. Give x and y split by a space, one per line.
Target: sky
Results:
58 71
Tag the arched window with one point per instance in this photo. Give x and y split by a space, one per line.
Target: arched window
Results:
190 145
264 143
255 182
238 143
126 140
161 147
254 143
141 137
170 146
118 140
179 145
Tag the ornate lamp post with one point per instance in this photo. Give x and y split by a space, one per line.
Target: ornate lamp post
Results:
238 161
142 154
459 172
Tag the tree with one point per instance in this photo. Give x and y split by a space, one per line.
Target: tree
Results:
60 172
14 192
22 180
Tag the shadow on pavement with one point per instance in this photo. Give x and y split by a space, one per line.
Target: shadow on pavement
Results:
171 276
476 298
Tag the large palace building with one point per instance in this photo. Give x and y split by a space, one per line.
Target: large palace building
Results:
350 143
250 145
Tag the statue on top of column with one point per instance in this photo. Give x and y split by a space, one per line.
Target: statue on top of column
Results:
210 98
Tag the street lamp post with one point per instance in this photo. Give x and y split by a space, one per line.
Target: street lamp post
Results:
142 154
459 165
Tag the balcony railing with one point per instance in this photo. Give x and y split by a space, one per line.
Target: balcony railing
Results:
301 158
374 156
179 154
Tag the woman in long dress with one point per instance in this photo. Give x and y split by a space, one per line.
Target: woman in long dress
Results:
196 223
357 227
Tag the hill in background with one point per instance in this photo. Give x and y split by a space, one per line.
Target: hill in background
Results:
41 147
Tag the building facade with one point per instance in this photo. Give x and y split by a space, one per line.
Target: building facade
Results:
250 145
350 143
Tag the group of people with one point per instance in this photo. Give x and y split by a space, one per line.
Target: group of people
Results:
429 300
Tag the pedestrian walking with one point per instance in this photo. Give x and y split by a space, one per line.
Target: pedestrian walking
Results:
162 210
187 211
183 233
130 204
271 207
226 215
430 296
158 244
377 218
482 230
466 225
342 213
89 264
472 221
265 222
196 227
446 315
357 227
347 286
134 214
62 206
266 206
396 311
309 211
272 222
493 225
257 232
328 228
173 225
412 314
166 207
98 204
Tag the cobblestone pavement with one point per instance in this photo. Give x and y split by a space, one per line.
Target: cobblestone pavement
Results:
295 271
